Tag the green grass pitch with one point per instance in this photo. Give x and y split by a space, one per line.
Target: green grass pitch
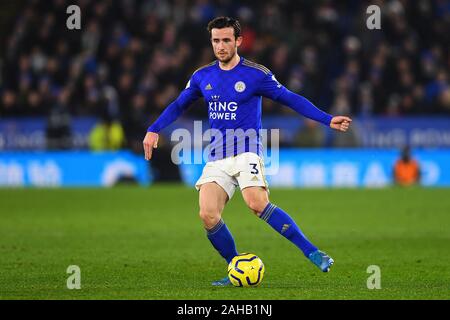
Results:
148 243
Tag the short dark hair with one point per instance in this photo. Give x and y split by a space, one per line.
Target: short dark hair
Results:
225 22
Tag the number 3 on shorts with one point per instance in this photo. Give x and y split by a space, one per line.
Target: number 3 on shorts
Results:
255 170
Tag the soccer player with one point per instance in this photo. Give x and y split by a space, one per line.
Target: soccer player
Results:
233 88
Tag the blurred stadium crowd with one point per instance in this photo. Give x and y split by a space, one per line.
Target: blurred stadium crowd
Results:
132 57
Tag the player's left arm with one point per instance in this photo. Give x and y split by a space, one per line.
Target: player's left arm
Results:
272 89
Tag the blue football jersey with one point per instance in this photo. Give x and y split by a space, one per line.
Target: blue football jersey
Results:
234 101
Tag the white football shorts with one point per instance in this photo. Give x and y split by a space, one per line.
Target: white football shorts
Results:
244 170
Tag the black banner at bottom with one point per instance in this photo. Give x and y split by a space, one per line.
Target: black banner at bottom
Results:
226 309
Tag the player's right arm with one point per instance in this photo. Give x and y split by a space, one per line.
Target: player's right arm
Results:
190 94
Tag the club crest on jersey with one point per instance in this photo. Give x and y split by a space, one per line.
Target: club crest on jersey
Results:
239 86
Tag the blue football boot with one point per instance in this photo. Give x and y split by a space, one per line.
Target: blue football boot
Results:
321 260
222 282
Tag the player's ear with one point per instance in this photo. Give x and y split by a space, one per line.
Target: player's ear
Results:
238 41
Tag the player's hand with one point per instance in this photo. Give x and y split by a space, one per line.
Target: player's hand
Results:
150 142
340 123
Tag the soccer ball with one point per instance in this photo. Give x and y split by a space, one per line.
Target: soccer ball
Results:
246 270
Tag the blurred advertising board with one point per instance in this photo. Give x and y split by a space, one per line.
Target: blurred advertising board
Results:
72 169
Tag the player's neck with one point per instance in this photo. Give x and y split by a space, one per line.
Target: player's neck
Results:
230 64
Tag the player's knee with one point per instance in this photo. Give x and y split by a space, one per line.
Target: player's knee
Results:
209 216
256 205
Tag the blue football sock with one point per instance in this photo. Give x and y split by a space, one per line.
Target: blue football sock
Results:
222 240
283 224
